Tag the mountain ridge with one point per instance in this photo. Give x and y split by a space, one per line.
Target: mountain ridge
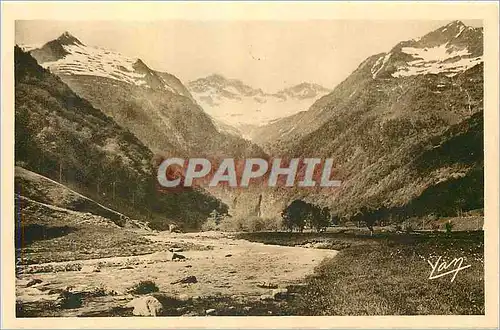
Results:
376 121
235 103
63 137
154 105
392 108
383 67
68 55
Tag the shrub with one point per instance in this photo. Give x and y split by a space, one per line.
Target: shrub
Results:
144 287
250 223
408 227
448 226
209 225
69 300
98 292
253 224
435 226
273 224
230 224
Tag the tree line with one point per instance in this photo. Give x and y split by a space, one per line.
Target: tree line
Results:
300 214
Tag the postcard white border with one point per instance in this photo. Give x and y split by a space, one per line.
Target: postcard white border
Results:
147 11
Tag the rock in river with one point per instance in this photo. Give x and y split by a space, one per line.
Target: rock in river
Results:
145 306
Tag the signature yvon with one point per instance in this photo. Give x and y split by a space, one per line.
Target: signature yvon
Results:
442 268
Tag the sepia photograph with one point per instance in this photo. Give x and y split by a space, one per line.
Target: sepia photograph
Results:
251 167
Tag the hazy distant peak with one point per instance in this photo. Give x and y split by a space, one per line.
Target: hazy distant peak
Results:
216 77
217 83
304 90
233 102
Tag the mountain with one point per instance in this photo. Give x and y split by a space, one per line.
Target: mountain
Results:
444 54
404 129
393 109
449 50
232 102
155 106
67 55
63 137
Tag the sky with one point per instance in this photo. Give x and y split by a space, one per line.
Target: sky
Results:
270 55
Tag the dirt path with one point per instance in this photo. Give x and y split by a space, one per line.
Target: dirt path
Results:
225 266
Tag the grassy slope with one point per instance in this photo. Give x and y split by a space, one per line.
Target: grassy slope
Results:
387 274
46 233
42 189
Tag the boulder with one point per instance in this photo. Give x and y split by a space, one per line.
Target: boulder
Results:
178 256
279 294
173 228
33 282
145 306
185 280
183 297
210 311
165 256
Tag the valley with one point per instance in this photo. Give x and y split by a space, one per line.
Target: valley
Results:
96 233
265 274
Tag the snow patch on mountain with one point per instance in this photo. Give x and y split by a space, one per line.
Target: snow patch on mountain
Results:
67 55
462 28
240 110
93 61
449 50
437 60
379 64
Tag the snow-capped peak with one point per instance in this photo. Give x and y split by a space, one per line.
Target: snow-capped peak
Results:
93 61
232 102
230 88
67 55
450 49
68 39
456 23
